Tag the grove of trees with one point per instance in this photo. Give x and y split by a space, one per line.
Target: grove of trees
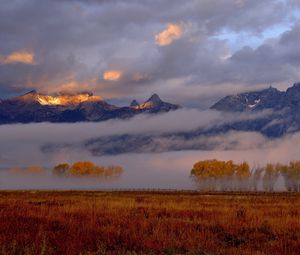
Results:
87 168
216 175
78 169
30 170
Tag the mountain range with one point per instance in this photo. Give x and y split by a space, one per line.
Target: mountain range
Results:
36 107
270 112
283 108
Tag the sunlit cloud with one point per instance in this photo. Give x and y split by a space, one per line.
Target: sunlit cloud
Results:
112 75
24 57
167 36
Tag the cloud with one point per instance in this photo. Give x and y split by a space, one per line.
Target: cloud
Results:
170 34
112 75
20 146
24 57
88 38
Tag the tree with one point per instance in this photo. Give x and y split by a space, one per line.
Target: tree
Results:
291 176
271 174
61 169
86 168
30 170
243 175
213 174
83 168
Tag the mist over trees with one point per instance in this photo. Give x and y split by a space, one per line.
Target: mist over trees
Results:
216 175
207 175
87 169
30 170
78 169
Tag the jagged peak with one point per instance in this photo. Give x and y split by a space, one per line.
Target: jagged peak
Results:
296 86
272 89
28 96
152 102
154 98
265 90
134 103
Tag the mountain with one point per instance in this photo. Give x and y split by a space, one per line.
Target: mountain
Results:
153 104
36 107
283 107
134 104
269 112
269 98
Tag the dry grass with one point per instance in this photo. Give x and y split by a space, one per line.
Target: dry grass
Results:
149 223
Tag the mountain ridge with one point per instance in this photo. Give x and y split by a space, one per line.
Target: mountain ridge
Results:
33 107
269 112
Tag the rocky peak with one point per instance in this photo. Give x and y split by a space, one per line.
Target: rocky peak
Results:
294 89
270 90
30 96
134 103
154 99
153 102
254 100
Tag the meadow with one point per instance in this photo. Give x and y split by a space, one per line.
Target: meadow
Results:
140 222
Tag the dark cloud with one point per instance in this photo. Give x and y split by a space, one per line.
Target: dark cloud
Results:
75 42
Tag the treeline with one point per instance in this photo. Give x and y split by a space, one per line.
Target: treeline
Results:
216 175
33 170
87 168
78 169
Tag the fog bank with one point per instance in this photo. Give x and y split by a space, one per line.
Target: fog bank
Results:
20 145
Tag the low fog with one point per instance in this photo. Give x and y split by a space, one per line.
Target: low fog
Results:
21 146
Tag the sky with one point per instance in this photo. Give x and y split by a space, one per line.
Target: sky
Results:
189 52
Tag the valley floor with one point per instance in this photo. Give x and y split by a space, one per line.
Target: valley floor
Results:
88 222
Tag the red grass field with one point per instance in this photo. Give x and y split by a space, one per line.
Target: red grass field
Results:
149 223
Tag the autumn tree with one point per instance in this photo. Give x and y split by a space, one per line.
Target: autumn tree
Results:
83 168
86 168
242 176
213 174
291 175
30 170
271 174
203 172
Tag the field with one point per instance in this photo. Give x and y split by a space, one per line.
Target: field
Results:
81 222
